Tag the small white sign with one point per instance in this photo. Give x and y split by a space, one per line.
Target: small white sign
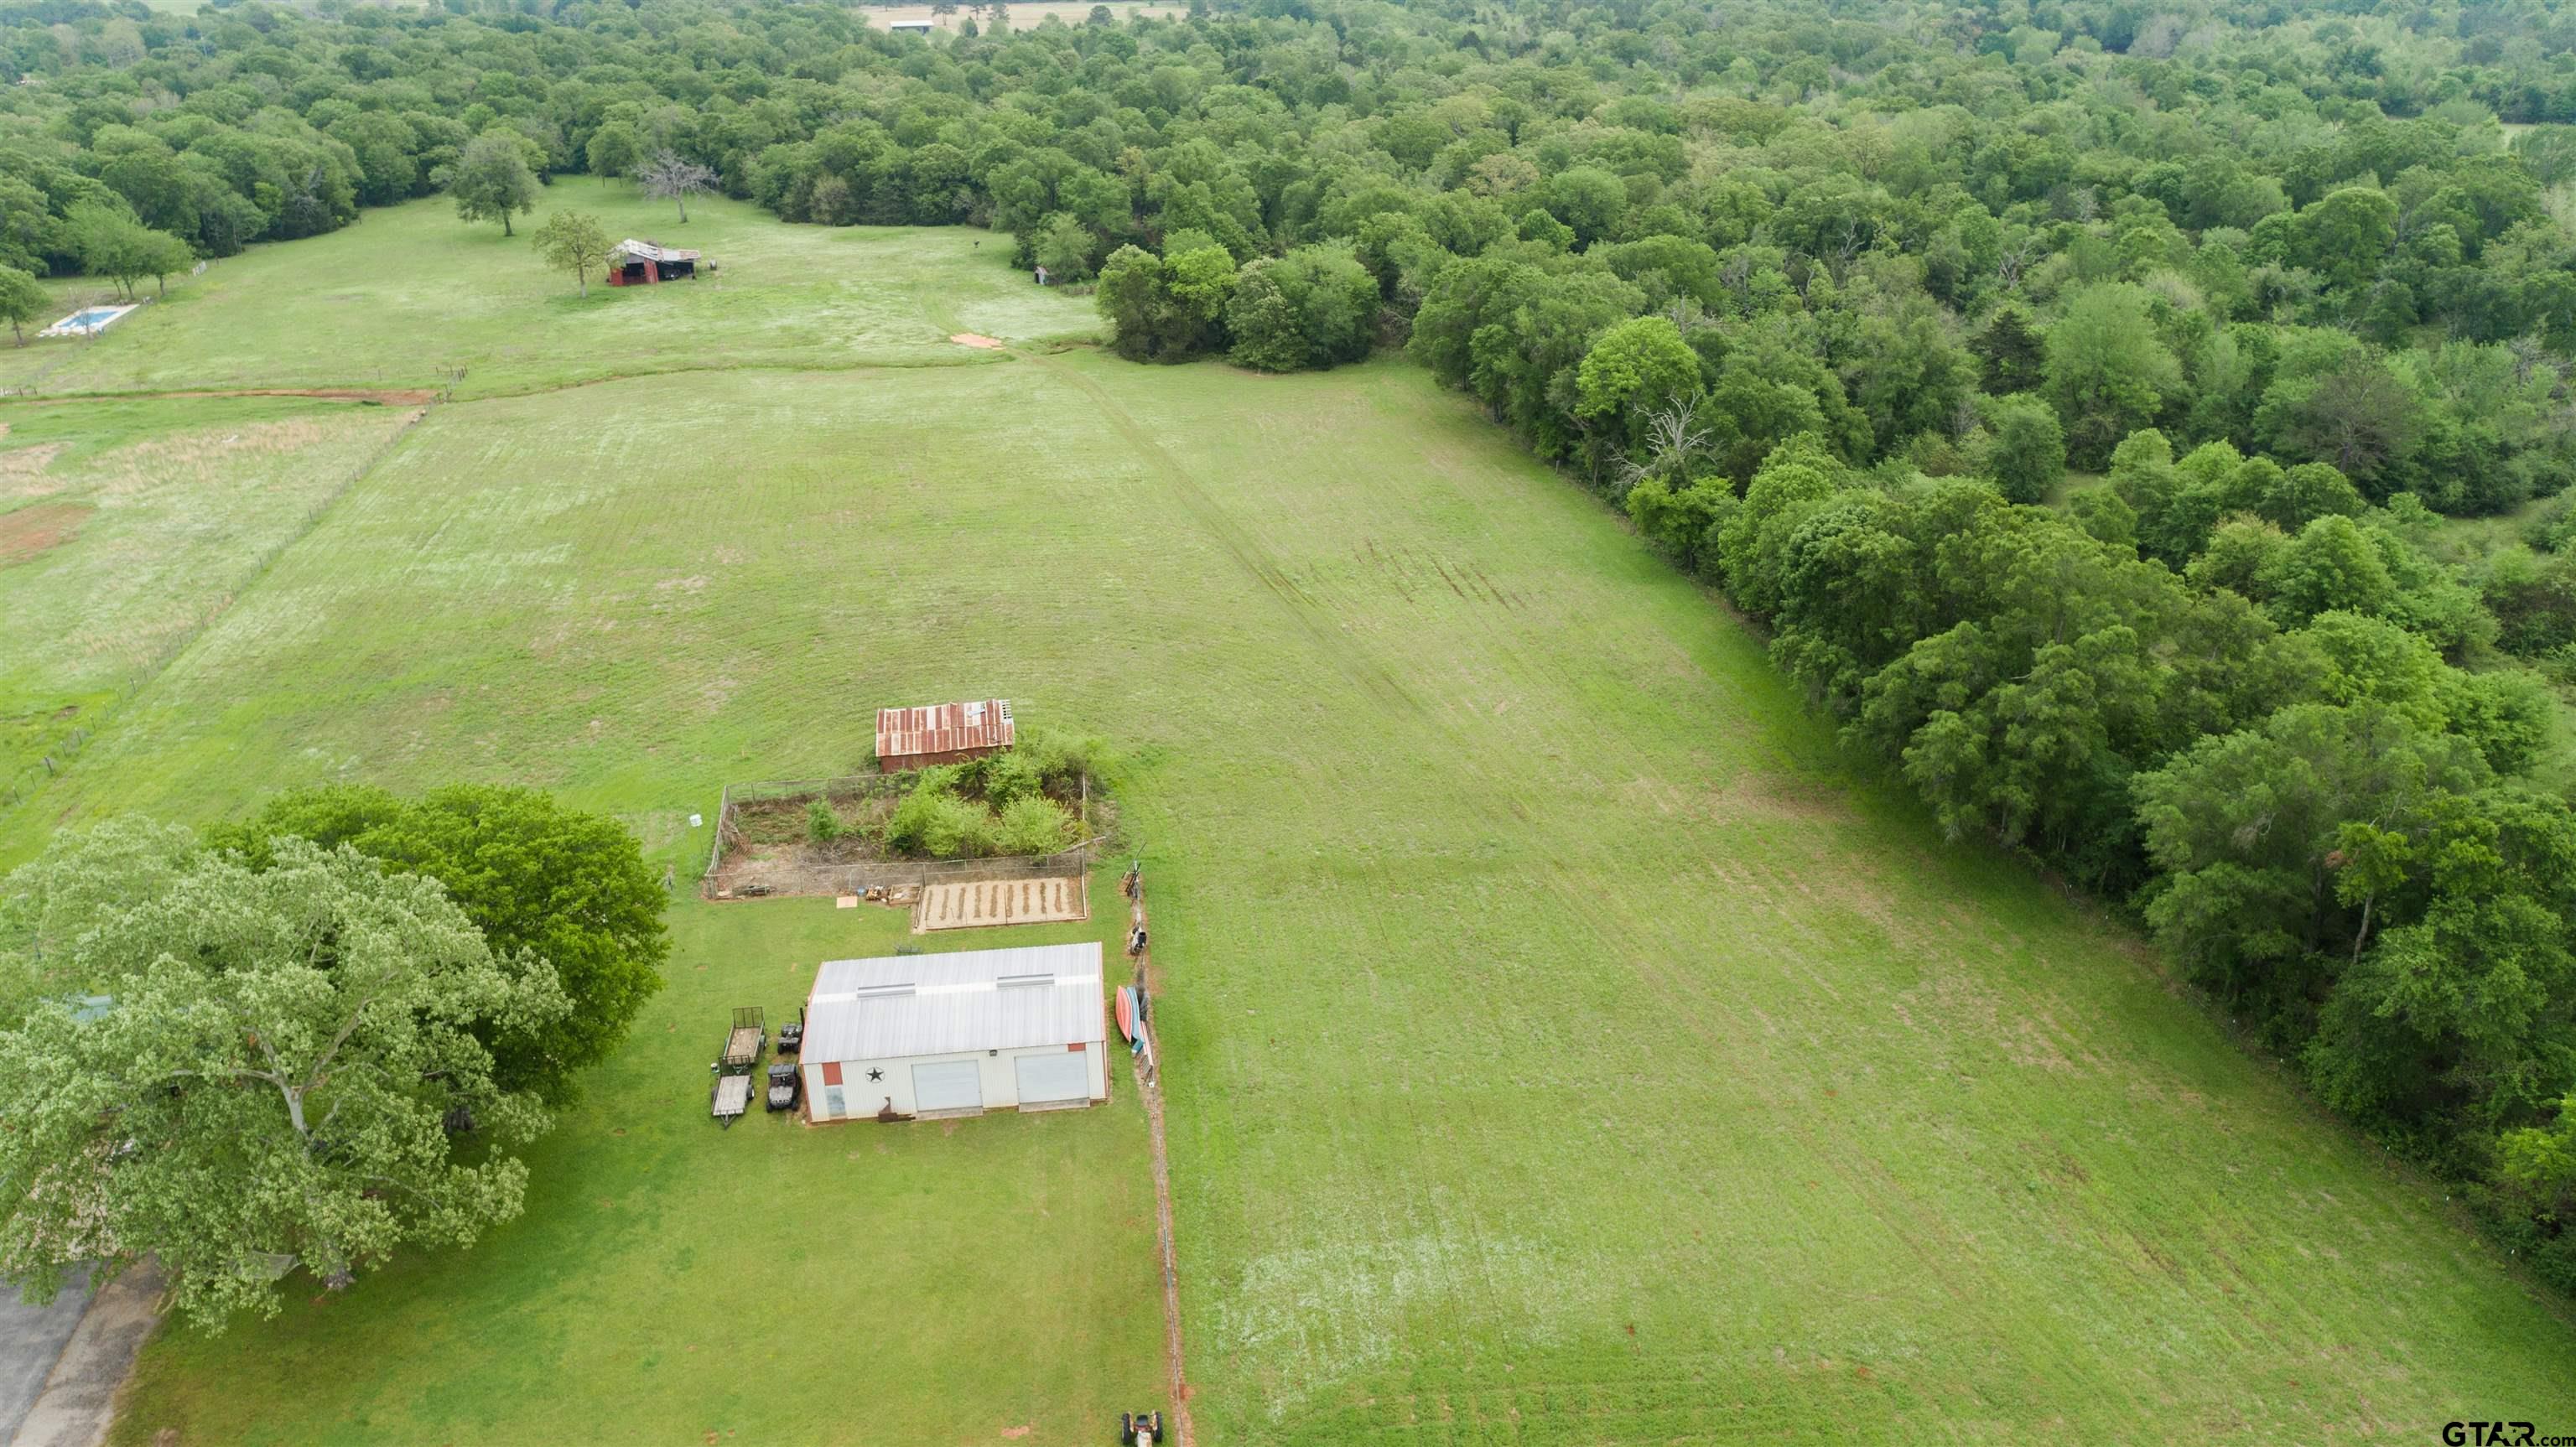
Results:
696 821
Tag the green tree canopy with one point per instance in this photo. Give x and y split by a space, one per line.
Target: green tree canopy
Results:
1637 368
2027 454
22 300
542 882
276 1079
492 178
614 150
1314 307
573 241
2108 373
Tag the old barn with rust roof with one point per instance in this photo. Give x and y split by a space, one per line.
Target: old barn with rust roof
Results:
942 733
641 263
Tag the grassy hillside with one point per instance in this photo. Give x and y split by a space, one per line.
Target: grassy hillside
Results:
1562 1048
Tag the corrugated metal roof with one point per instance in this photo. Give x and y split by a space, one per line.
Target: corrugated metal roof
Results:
647 251
900 1005
943 728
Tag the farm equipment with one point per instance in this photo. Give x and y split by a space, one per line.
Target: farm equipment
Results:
791 1036
733 1064
1138 1429
785 1084
731 1098
744 1042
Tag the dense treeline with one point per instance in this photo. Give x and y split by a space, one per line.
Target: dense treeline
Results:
1829 299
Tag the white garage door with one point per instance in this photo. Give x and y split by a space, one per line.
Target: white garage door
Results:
948 1085
1053 1079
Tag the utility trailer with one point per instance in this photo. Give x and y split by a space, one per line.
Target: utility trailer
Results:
744 1042
733 1065
731 1099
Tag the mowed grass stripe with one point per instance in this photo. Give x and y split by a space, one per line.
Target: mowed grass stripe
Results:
1529 955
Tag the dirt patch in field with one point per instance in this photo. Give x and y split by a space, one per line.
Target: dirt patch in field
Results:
31 530
972 339
22 470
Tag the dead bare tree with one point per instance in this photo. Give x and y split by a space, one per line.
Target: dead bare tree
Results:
1674 439
2015 256
670 177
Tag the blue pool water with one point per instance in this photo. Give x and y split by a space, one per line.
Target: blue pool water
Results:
89 316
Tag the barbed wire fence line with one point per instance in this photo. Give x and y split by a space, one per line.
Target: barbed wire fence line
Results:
1149 1085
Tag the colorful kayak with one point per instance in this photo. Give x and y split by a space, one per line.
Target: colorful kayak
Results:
1127 1011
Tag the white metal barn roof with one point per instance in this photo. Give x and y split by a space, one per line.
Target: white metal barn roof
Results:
901 1005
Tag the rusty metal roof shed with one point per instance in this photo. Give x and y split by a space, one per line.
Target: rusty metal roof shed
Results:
941 733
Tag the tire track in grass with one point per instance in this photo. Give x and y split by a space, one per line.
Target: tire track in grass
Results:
1503 803
1246 549
152 672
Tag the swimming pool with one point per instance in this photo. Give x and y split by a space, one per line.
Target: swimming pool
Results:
89 321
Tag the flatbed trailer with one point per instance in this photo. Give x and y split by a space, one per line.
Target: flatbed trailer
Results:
732 1098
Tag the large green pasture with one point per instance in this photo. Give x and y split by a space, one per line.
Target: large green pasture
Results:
410 297
1562 1045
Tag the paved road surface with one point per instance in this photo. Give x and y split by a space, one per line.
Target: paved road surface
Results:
60 1365
32 1339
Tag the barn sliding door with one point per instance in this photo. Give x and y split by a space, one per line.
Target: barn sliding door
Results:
1061 1079
948 1085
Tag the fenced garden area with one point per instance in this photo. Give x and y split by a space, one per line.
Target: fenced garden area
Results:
1026 813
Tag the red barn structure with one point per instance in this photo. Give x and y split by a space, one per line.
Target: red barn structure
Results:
942 733
641 263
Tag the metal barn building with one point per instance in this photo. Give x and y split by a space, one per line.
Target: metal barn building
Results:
943 733
641 263
957 1034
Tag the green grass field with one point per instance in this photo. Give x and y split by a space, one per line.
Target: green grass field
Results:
1562 1045
766 1283
126 526
411 297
